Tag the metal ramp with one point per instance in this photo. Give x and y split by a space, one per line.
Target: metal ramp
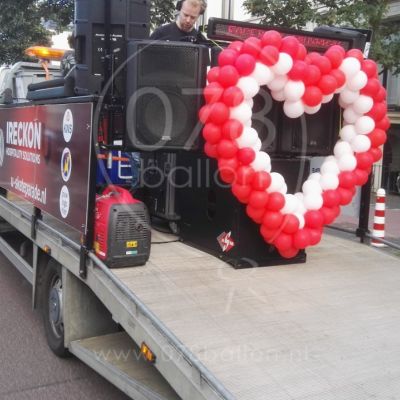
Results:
117 358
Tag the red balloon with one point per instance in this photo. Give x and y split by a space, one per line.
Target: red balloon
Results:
331 198
376 153
227 148
241 192
315 236
339 76
269 235
328 214
301 53
251 46
258 199
377 137
289 253
271 38
236 45
219 113
211 150
269 55
372 88
290 224
232 129
356 53
381 95
323 64
213 74
361 176
370 68
301 239
227 57
261 180
276 201
245 64
272 219
228 76
283 242
204 113
378 111
364 160
312 96
226 176
311 57
232 96
346 196
290 45
335 56
213 92
347 180
256 214
339 48
313 75
227 169
327 84
244 175
246 155
383 124
298 71
212 133
313 219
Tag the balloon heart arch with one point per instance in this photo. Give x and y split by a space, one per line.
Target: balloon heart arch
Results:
303 82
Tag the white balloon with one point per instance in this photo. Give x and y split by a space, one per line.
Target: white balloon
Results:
327 98
278 83
364 125
311 110
242 112
363 104
341 148
291 203
294 90
340 90
329 181
311 186
277 181
315 176
350 66
262 74
250 102
248 137
348 133
343 104
283 189
330 167
257 145
262 162
361 143
248 123
301 219
347 162
248 86
350 115
293 109
313 201
349 96
300 195
278 95
358 81
284 64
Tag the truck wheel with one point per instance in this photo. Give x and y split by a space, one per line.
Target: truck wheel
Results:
53 308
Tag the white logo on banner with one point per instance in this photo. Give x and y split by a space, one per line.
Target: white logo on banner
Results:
64 201
66 164
68 125
1 147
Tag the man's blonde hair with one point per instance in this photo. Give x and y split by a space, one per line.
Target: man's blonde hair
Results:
196 3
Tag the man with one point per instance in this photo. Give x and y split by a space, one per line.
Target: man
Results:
183 28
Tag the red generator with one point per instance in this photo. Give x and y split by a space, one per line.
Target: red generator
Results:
122 233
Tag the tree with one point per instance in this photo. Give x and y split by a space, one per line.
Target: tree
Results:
161 12
366 14
20 27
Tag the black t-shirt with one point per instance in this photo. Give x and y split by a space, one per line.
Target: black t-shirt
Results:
173 33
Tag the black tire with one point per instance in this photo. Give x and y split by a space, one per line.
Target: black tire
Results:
52 309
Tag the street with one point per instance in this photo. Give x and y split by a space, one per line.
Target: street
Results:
29 370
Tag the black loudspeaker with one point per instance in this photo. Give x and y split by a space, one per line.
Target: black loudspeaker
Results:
164 95
101 31
311 135
211 218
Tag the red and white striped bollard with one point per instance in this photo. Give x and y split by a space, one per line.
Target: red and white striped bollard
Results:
379 219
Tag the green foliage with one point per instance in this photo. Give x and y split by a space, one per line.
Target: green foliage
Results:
161 12
367 14
20 28
59 11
